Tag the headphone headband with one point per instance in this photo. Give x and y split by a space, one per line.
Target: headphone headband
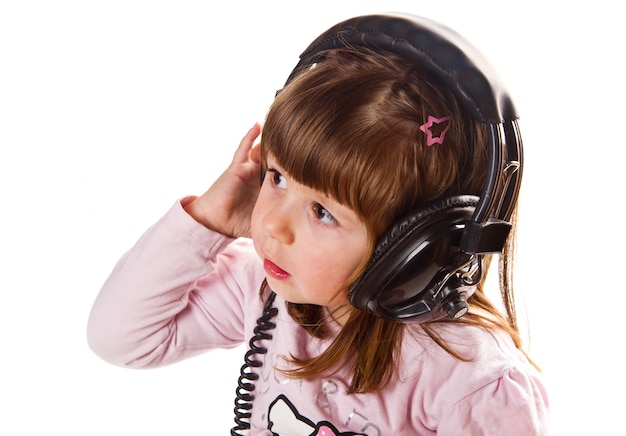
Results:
430 44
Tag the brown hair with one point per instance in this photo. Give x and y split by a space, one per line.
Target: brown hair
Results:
348 126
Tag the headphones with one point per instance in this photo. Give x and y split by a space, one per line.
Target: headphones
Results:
428 264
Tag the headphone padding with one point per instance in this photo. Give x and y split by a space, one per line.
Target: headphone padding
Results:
407 225
406 250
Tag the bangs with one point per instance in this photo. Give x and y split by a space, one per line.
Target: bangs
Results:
315 130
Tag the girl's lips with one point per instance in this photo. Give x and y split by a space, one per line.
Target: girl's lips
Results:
274 270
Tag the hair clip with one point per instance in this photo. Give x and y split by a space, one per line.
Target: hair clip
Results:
430 140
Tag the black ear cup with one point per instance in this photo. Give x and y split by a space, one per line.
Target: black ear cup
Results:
417 271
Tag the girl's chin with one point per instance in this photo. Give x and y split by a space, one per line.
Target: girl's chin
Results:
291 296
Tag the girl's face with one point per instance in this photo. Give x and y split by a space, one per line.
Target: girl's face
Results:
310 244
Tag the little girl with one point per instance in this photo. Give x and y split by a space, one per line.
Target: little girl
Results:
361 135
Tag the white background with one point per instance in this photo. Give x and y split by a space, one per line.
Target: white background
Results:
110 110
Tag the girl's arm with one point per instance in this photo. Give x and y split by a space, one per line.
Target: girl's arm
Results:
179 291
515 404
182 287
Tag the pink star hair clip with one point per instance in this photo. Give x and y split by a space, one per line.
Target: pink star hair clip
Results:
427 126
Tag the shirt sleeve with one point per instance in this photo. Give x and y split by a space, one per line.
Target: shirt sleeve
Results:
179 291
514 404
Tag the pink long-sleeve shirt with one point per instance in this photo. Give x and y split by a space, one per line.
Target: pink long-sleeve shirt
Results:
183 289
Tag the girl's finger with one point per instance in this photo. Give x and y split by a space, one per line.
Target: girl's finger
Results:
243 151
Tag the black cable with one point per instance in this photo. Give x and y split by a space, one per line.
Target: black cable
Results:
245 384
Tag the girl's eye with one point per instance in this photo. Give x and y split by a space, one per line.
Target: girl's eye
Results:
278 179
323 215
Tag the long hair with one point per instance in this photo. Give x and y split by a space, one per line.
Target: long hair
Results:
348 126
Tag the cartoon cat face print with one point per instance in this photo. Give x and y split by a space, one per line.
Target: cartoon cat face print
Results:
285 420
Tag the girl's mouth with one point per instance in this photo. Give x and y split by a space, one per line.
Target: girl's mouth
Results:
274 270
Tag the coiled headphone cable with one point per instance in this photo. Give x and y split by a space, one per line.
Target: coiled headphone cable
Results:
245 384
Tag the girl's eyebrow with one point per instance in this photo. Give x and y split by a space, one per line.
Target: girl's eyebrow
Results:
271 162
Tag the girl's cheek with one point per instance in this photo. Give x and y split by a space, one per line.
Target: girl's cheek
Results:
255 221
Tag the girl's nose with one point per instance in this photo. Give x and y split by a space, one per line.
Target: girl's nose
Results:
278 223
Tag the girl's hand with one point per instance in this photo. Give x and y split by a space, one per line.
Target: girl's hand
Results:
227 206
